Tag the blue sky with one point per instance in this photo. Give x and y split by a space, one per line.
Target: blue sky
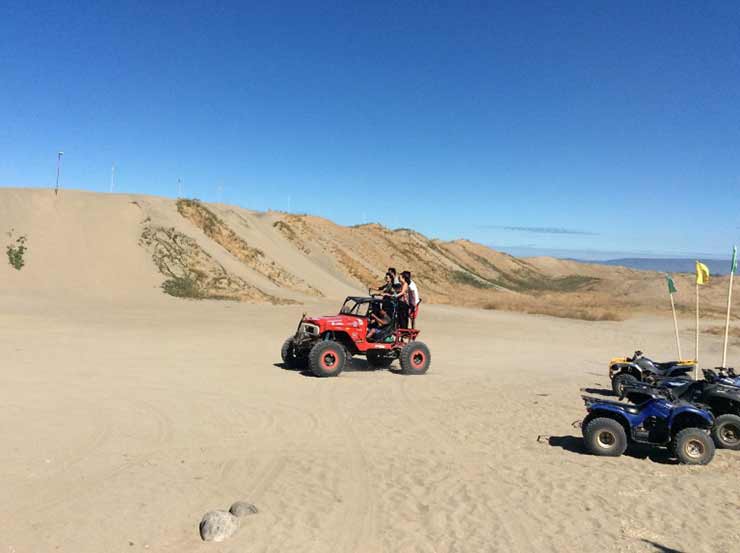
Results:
573 126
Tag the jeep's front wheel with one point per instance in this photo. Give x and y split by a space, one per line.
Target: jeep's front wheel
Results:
327 358
288 354
415 358
726 432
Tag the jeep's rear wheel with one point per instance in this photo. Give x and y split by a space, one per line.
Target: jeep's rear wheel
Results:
380 359
693 446
726 432
415 358
605 436
327 358
620 381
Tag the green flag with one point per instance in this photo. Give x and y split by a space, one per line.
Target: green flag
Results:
733 268
671 285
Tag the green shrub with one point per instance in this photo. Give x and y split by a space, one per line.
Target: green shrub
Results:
182 287
16 253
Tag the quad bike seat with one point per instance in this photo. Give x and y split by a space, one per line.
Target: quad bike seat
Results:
632 409
665 365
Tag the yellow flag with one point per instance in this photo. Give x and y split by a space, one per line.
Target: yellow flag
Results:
702 273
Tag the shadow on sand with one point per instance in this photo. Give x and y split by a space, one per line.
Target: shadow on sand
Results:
356 364
662 548
574 444
599 391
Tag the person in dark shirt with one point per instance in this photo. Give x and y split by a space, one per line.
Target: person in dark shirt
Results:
380 321
386 287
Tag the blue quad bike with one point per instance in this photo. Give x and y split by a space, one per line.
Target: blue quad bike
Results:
660 420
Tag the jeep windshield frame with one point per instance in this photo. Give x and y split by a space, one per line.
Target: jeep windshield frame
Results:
356 306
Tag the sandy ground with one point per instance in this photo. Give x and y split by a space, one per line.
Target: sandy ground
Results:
123 423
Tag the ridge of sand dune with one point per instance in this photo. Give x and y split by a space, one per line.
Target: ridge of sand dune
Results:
90 244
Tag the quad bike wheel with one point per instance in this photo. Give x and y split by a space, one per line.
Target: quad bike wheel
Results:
327 358
693 446
290 358
606 437
621 380
726 432
379 359
415 358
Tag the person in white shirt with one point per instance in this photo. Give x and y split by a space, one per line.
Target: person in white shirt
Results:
412 296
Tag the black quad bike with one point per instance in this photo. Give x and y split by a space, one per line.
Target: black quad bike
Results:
712 393
638 368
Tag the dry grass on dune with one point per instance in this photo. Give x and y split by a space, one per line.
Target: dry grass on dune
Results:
562 306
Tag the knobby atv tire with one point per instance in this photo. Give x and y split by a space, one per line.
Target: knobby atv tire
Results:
327 358
415 358
379 359
620 380
693 446
605 437
726 432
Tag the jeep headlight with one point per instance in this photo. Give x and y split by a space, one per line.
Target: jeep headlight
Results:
310 329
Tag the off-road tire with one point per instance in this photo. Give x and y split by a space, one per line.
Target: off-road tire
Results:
327 358
726 432
291 359
693 446
415 358
380 359
605 437
619 381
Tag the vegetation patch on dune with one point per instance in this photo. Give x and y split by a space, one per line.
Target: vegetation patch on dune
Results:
558 307
192 273
287 231
16 252
468 278
218 231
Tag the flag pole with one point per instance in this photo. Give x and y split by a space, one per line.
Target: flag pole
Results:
729 304
696 350
675 325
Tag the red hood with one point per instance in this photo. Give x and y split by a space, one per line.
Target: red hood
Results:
336 322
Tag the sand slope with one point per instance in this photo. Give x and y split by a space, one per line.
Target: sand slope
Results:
128 246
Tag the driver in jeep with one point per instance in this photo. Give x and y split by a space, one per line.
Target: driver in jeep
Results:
381 323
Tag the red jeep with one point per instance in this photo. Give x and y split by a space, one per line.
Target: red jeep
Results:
324 344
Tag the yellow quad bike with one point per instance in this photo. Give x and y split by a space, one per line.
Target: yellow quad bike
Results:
638 368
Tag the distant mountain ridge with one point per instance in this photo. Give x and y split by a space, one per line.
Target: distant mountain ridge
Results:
666 265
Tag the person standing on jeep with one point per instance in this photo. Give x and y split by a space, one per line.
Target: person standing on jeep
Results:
412 296
386 288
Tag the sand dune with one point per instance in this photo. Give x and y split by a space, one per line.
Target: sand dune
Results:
133 246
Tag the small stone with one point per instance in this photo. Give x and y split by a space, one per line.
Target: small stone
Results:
218 525
242 509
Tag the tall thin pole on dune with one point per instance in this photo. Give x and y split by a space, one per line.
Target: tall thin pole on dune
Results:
702 277
696 346
733 268
112 177
59 170
672 290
